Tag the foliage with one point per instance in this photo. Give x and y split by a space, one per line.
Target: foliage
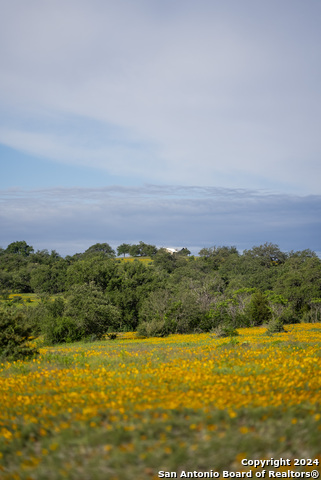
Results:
275 326
95 269
123 249
49 278
173 311
223 331
91 310
258 310
220 286
269 255
86 312
157 327
315 310
19 248
169 262
101 248
62 330
217 256
184 251
14 336
300 281
142 250
137 250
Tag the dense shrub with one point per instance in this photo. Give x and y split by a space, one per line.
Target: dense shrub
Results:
154 328
178 312
14 337
62 330
86 312
275 326
225 331
289 316
258 309
92 311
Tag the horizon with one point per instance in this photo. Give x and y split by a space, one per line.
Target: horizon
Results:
195 252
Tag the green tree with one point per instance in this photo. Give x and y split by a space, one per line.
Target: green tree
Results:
21 281
40 257
92 310
315 312
6 281
163 312
20 248
248 271
14 336
147 250
129 286
300 282
123 249
223 251
269 254
86 313
49 278
102 248
142 250
277 304
168 262
216 256
258 309
302 254
95 269
184 251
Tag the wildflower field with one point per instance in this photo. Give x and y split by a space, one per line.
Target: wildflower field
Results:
130 408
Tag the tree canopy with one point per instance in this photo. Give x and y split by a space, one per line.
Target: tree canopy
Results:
170 292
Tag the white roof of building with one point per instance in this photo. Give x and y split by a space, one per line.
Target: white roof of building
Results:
171 250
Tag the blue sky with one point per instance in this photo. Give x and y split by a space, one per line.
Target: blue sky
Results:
179 123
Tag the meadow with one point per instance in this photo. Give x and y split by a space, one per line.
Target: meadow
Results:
130 408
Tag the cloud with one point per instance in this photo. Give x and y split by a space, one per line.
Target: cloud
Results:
169 92
72 219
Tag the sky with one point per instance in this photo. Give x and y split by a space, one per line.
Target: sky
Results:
178 123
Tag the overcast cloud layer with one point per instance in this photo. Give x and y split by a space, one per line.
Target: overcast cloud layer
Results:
209 92
70 220
223 95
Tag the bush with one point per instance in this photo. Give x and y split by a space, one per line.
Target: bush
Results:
208 322
177 312
86 313
225 331
112 336
61 330
92 311
289 316
154 328
275 326
258 310
14 337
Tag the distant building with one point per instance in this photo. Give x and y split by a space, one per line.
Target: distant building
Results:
171 250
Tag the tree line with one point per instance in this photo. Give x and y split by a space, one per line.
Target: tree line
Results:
90 294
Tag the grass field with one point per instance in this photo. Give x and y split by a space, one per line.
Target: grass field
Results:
130 408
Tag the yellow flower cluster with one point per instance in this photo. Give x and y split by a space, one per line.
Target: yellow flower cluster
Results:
172 377
68 385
